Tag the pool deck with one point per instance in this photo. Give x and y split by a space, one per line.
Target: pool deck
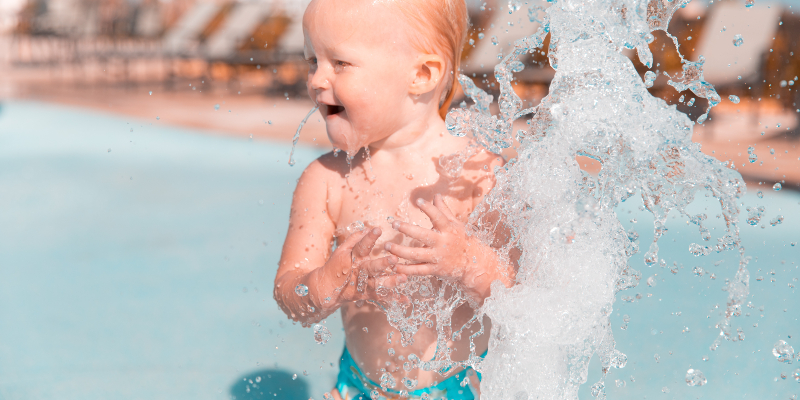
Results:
731 130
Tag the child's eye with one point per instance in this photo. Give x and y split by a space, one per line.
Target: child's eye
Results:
311 60
340 66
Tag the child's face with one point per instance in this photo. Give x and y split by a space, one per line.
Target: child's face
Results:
360 67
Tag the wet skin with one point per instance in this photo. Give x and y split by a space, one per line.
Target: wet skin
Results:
377 91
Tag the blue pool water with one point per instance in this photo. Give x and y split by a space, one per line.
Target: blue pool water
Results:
146 273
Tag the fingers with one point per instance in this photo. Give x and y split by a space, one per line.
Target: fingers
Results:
438 219
413 254
416 269
438 201
367 242
384 288
350 242
390 281
426 236
379 266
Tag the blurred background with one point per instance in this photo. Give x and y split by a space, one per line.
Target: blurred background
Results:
144 189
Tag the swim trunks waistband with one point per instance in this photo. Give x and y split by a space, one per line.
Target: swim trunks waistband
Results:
352 384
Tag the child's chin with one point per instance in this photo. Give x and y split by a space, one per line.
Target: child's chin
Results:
338 140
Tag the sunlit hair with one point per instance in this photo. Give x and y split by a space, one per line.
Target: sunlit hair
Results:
441 28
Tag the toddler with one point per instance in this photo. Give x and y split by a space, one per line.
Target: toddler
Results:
383 73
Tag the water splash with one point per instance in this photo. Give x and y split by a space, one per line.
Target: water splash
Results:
297 134
575 257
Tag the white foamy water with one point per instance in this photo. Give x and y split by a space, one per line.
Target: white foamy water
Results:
575 251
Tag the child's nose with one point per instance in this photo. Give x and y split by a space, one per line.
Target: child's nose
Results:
319 80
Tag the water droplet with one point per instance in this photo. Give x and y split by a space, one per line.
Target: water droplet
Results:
796 375
649 78
410 383
158 118
109 150
737 40
751 155
321 334
294 376
151 93
327 396
258 378
777 220
391 351
760 194
749 3
691 102
374 395
734 99
776 187
494 40
665 389
216 107
619 383
783 352
480 36
301 290
705 358
651 281
598 389
387 381
694 377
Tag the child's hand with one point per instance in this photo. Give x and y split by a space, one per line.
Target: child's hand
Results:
369 279
448 252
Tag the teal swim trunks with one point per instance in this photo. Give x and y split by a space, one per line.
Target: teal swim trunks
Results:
353 385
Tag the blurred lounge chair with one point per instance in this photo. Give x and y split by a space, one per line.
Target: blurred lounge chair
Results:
256 35
292 40
238 27
738 69
726 64
184 38
499 34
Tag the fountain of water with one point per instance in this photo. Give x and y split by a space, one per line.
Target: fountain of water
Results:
575 251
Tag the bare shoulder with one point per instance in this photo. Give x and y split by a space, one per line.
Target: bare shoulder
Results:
480 170
481 165
320 184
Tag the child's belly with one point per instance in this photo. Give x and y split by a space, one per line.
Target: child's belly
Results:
375 345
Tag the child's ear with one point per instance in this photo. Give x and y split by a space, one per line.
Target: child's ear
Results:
429 73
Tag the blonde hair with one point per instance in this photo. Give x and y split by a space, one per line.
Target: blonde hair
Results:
442 29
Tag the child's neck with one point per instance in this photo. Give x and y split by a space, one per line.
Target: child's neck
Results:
417 137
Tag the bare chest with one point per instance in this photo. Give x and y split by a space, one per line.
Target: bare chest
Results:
379 199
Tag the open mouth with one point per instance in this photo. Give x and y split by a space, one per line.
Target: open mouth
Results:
333 110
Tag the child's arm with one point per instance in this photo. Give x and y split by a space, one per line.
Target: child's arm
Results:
331 278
